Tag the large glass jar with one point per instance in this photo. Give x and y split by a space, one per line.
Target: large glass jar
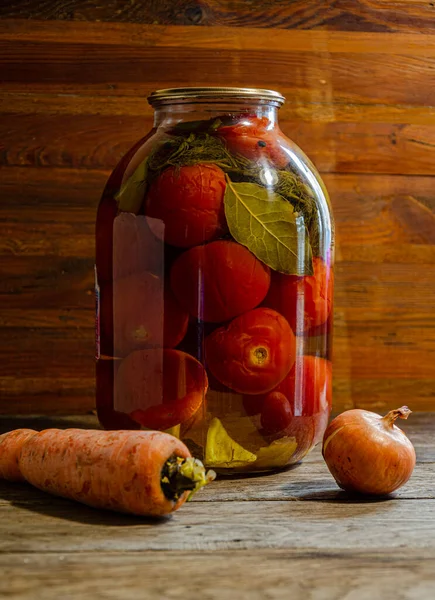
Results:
214 283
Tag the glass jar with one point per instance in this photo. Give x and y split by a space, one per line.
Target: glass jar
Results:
214 257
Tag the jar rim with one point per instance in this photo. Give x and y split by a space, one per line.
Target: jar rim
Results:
187 95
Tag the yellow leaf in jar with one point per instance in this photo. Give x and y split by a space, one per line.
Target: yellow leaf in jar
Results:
222 451
277 454
245 430
175 431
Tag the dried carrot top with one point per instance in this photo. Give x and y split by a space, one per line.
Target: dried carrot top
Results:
184 474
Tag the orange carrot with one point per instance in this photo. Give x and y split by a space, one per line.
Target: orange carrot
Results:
10 448
139 472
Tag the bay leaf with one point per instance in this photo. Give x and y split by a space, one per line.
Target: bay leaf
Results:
268 226
132 191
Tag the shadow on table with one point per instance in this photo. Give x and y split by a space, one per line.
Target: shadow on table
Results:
341 497
223 476
40 422
28 498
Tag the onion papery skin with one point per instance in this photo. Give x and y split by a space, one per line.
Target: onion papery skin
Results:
367 453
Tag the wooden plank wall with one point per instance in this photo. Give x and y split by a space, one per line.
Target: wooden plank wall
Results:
359 77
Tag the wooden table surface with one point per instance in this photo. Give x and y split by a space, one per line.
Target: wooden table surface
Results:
288 535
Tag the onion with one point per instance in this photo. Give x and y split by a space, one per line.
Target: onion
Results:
367 453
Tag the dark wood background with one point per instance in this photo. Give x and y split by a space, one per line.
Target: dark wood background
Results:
359 77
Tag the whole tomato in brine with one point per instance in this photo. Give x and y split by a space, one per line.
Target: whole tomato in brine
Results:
307 389
255 139
308 386
160 388
305 301
219 281
189 202
253 353
140 311
300 405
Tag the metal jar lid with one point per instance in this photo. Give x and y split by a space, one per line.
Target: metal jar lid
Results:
213 94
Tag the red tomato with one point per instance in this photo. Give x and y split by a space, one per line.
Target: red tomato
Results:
175 321
188 202
303 429
253 138
135 247
304 301
219 281
299 406
276 414
160 389
278 421
145 315
308 386
106 371
137 313
253 353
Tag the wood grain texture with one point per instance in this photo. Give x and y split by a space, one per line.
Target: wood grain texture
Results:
248 38
283 524
287 534
348 15
72 100
324 70
118 105
279 575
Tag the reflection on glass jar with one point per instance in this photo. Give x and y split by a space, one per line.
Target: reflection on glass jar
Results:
214 279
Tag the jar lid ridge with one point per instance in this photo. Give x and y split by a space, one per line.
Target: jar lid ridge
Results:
213 94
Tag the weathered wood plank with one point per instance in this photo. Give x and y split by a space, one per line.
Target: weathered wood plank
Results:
327 59
402 15
52 188
116 105
50 395
116 34
67 549
47 282
55 238
46 317
249 575
46 352
383 526
99 142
